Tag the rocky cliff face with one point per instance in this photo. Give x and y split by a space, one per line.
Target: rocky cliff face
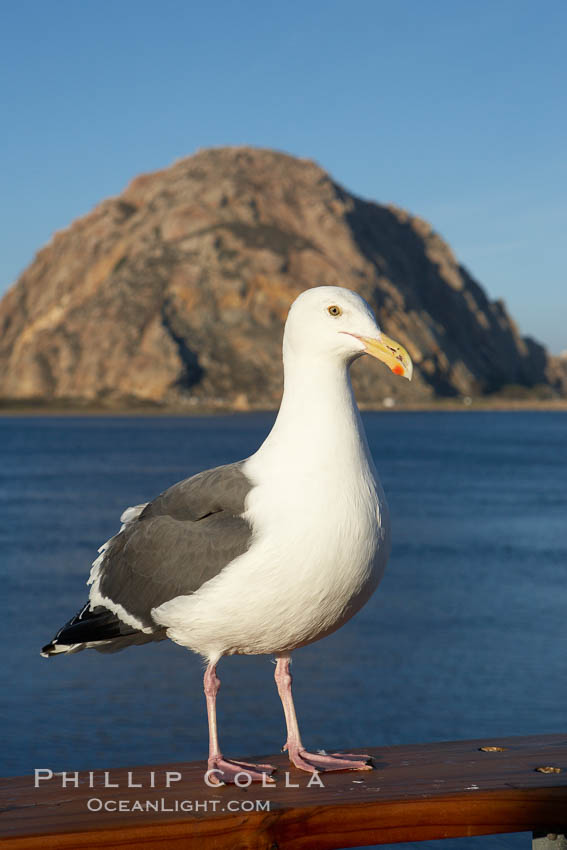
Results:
176 292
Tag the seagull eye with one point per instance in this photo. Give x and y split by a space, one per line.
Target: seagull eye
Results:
334 310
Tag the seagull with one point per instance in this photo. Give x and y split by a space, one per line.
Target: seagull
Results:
267 554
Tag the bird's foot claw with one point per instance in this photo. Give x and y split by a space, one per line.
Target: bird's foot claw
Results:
223 771
329 762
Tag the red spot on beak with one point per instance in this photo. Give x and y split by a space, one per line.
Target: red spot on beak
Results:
398 369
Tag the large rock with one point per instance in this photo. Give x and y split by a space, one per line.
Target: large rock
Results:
176 292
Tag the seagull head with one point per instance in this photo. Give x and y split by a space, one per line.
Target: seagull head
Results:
330 321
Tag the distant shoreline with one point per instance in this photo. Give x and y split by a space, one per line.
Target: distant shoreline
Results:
444 405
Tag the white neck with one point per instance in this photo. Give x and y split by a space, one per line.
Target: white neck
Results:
318 421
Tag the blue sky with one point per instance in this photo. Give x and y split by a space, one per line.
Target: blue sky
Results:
453 109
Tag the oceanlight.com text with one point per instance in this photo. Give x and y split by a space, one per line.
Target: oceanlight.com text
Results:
95 804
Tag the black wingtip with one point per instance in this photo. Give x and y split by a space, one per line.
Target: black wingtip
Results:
87 628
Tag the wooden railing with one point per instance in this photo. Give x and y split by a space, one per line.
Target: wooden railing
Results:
427 791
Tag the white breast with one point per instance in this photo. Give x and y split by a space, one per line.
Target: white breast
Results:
320 545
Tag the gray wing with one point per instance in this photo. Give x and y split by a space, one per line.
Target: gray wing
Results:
179 541
167 548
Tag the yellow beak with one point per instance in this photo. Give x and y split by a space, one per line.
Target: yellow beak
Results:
391 353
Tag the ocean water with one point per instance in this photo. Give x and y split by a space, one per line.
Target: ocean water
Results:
465 637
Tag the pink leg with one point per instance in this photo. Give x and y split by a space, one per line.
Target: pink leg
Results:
225 770
298 755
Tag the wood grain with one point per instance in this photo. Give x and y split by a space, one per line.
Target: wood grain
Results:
417 792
